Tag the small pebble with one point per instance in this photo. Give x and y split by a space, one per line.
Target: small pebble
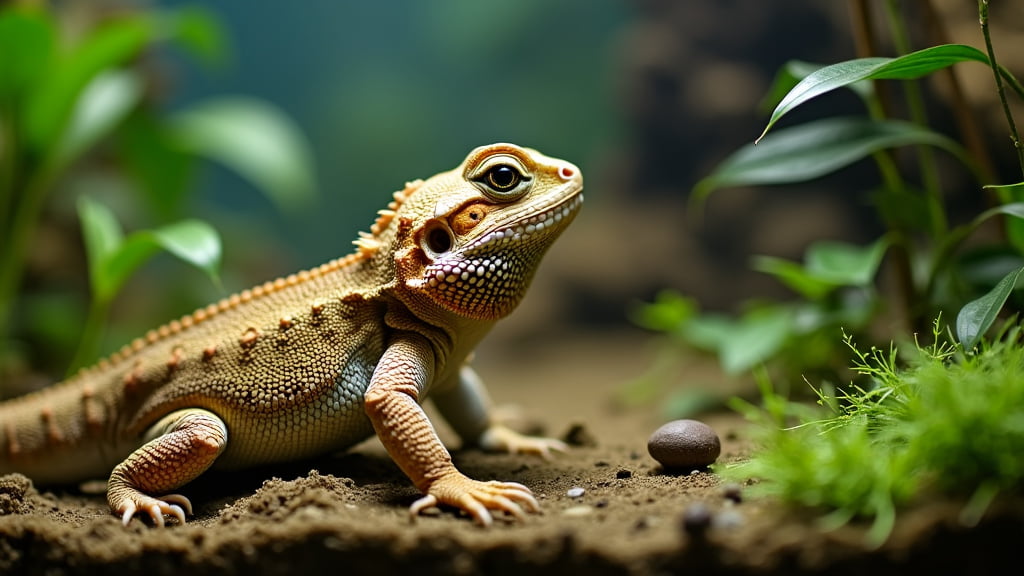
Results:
575 492
696 518
683 444
578 435
577 511
623 473
733 492
728 519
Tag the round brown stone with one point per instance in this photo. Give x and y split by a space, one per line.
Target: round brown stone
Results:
684 444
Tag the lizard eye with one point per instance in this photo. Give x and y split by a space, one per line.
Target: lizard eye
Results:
502 178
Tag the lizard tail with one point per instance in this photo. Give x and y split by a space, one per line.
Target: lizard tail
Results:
57 434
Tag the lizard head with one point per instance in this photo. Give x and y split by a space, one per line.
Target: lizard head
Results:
475 235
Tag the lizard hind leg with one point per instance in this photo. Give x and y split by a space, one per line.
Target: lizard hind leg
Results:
180 447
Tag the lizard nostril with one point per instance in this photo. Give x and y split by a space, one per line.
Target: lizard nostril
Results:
566 173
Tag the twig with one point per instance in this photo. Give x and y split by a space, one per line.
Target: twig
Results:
983 19
965 120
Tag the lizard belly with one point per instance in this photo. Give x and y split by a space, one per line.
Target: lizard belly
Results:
329 421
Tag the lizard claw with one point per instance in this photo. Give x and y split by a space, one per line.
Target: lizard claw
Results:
500 438
477 498
174 505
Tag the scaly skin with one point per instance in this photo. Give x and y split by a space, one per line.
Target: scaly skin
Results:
318 361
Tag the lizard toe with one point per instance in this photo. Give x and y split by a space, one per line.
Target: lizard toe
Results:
500 438
174 505
479 499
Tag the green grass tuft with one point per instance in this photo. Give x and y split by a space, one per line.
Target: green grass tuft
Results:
940 420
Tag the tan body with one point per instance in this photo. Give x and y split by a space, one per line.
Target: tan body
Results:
318 361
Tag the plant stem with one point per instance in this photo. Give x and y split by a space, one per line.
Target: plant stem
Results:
967 122
92 332
915 106
23 225
983 19
860 12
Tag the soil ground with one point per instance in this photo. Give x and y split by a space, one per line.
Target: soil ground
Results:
347 513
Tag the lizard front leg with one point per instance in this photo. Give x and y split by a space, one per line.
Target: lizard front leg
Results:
182 446
392 403
466 405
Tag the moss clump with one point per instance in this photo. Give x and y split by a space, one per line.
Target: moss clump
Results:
943 420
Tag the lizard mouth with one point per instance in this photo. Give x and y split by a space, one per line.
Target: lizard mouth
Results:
554 218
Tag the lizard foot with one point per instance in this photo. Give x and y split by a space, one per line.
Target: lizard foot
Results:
478 498
174 505
499 438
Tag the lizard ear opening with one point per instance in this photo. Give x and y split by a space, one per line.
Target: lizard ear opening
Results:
436 239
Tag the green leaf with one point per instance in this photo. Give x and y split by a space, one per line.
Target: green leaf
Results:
1012 193
162 171
795 276
135 251
669 311
257 141
845 264
827 266
814 149
1008 192
709 331
192 241
755 339
908 67
199 30
50 108
790 74
977 316
103 104
113 258
744 343
26 47
103 239
901 208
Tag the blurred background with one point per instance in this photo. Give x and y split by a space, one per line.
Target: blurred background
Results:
646 96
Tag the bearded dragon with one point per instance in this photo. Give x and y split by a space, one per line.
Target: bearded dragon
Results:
317 361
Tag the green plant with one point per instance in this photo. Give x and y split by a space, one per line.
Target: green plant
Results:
950 421
837 282
77 101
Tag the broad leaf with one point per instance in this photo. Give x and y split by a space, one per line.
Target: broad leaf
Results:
827 266
135 251
192 241
977 316
162 171
744 343
1014 226
48 111
958 235
199 30
103 238
908 67
845 264
814 149
103 104
755 339
794 276
113 258
1008 192
790 74
26 46
669 311
257 141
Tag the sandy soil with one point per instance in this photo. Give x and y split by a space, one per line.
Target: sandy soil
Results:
347 513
